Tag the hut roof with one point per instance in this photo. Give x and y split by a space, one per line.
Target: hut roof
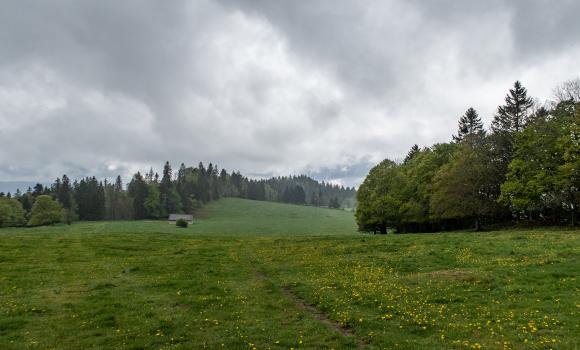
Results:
175 217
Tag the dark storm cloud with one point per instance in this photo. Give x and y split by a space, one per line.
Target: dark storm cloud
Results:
263 86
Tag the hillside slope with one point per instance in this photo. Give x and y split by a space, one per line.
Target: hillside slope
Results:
242 216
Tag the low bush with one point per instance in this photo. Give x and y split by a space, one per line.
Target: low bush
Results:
181 223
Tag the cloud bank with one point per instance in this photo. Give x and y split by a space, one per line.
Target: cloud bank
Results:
267 87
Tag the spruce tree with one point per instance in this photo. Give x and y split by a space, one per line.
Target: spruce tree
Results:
469 124
165 188
509 120
512 117
64 192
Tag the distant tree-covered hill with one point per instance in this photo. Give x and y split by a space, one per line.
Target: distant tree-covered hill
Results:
153 196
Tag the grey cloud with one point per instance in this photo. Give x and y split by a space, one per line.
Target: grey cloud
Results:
381 47
263 86
545 27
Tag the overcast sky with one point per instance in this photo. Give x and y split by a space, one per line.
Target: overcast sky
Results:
267 87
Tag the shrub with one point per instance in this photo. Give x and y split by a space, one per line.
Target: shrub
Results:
11 212
181 223
45 211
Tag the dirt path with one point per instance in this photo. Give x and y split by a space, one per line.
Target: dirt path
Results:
316 314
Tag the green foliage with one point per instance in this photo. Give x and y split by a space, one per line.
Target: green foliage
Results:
463 187
152 203
11 212
171 201
90 199
412 153
543 176
45 211
528 167
398 195
118 203
379 198
181 223
509 120
138 190
293 194
568 178
416 193
149 197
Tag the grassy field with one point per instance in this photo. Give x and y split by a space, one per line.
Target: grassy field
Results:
272 276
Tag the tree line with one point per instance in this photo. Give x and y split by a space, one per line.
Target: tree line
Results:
150 196
524 169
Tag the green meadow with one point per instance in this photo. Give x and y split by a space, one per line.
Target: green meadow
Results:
258 275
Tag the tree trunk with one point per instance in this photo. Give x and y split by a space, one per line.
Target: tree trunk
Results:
477 224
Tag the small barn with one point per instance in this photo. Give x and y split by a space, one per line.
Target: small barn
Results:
174 217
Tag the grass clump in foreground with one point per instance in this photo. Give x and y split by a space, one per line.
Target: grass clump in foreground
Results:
227 282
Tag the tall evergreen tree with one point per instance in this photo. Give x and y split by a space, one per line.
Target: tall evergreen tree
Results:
469 124
64 192
165 188
509 120
512 116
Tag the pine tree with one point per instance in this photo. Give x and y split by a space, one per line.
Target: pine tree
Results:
509 120
165 188
64 192
469 124
512 117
